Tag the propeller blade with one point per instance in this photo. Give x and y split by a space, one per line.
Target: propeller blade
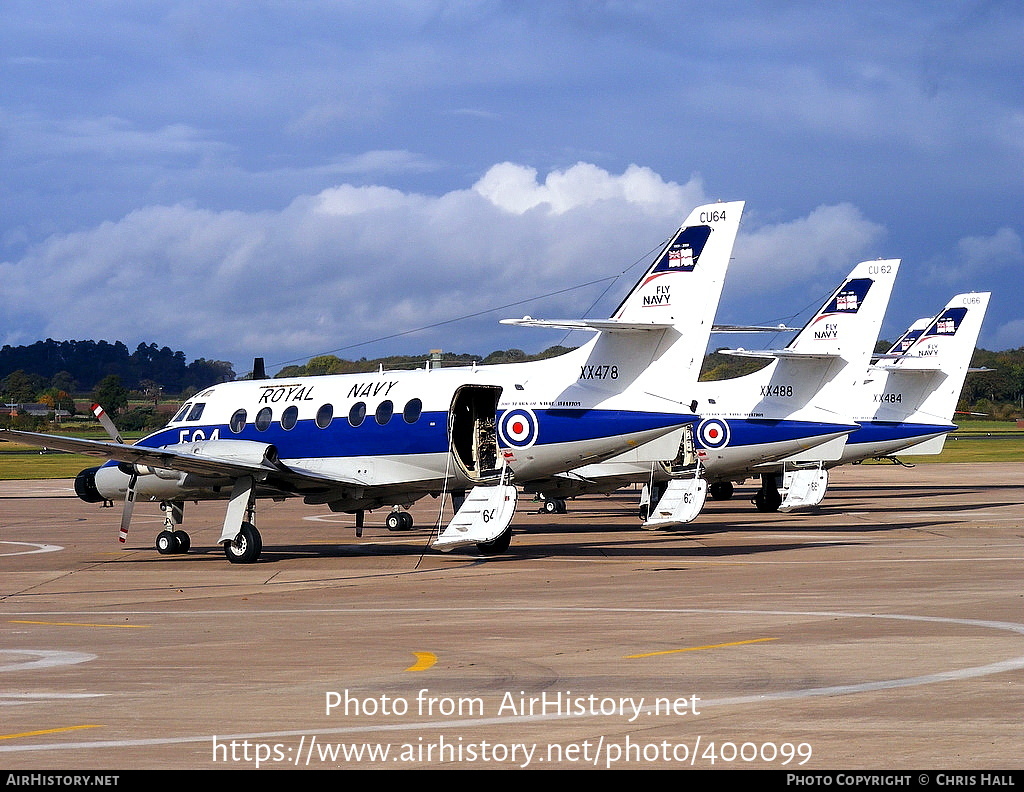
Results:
126 513
104 419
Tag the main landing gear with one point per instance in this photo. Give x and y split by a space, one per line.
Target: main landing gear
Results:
768 498
720 490
553 506
246 547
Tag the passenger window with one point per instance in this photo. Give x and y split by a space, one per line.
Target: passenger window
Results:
324 416
384 412
412 411
263 419
289 417
196 412
237 422
357 413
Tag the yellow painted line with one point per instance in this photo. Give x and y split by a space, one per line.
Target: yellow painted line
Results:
700 648
424 660
49 731
80 624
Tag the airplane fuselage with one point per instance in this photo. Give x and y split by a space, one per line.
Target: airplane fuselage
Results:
365 440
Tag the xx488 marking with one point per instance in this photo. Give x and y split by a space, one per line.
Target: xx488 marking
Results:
779 391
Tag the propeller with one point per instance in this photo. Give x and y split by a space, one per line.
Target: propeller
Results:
129 496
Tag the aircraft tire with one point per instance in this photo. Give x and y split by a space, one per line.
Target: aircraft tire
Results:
166 543
767 502
497 545
398 521
246 547
720 490
554 506
183 540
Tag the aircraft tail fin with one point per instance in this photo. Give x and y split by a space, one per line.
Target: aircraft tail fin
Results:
660 331
680 291
824 364
848 323
923 378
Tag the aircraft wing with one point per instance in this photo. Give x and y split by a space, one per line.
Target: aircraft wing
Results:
228 458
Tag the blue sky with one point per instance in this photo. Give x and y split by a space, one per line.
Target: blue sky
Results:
289 179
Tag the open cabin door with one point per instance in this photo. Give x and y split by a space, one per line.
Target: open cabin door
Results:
686 459
472 431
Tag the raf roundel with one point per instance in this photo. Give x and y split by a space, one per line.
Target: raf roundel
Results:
713 433
518 428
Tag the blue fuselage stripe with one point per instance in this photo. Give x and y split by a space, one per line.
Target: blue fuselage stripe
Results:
427 435
886 431
761 431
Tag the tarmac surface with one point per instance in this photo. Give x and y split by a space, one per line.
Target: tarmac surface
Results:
883 630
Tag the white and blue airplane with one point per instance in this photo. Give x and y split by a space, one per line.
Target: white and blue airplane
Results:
913 389
905 402
800 406
358 442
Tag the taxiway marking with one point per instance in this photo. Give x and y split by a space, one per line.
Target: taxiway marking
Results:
699 648
49 731
79 624
424 660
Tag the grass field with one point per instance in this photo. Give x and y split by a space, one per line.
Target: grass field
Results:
974 441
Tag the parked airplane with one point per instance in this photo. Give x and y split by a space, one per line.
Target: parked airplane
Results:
913 388
905 403
363 441
799 406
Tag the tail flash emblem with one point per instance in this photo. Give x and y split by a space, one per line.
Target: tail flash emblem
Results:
846 302
948 322
681 256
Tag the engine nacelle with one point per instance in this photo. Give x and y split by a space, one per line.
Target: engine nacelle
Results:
245 451
111 482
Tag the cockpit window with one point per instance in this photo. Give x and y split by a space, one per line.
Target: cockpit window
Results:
182 412
196 412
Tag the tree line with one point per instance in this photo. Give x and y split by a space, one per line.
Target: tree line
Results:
55 372
79 367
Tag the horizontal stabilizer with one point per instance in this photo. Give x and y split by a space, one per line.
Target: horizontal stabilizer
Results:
904 369
781 354
598 325
753 329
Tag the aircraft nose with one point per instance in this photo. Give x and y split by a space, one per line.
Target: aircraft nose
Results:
85 486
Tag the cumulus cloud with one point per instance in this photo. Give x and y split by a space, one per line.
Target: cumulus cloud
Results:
820 247
355 263
981 262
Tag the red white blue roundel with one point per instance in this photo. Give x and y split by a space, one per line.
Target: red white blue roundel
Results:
713 433
518 428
